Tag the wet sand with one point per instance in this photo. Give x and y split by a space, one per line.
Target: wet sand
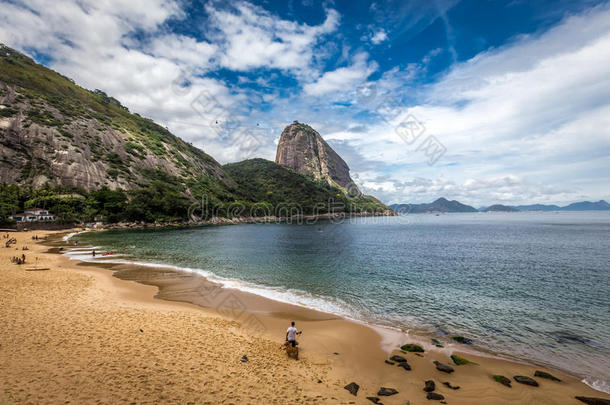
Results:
76 333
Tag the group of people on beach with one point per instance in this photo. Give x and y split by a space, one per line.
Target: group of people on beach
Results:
18 260
10 242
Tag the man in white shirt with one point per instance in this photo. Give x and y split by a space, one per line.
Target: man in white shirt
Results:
291 334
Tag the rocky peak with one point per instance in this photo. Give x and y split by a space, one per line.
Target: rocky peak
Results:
302 148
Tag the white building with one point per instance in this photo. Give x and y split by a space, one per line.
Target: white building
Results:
34 215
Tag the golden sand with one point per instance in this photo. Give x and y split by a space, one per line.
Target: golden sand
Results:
75 334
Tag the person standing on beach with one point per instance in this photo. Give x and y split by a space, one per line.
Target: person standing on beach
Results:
291 334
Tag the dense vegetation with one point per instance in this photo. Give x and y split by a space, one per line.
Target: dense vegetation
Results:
155 202
264 188
265 181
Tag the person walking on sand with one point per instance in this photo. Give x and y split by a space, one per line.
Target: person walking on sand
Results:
291 334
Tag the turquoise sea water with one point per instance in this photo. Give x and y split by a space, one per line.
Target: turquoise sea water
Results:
532 285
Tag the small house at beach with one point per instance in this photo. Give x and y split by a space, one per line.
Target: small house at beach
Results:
34 215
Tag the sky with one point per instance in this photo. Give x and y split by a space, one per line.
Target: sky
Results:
480 101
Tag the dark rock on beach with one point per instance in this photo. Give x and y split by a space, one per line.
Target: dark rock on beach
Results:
460 361
525 380
391 363
386 392
594 401
443 367
544 374
502 380
411 347
429 386
406 366
398 359
352 388
374 400
462 340
453 387
434 396
437 343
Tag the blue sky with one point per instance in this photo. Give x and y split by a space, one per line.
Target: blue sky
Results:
481 101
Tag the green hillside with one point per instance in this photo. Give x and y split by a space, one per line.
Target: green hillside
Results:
57 132
82 155
265 181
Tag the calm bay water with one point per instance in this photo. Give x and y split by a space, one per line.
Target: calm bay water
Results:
531 285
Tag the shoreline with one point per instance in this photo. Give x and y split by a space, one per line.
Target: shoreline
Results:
391 338
360 355
259 302
220 221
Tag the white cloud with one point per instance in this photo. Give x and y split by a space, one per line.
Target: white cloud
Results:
183 50
87 23
250 37
342 79
379 37
536 110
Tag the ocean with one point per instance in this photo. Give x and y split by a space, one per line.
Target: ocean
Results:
529 285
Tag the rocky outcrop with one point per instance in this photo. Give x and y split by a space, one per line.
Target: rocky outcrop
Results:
352 388
502 380
429 386
398 359
386 392
593 401
526 380
544 374
443 367
302 148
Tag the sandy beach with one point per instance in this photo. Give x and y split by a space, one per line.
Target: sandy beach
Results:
73 333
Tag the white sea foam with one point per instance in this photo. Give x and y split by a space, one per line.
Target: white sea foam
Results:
68 236
597 384
287 296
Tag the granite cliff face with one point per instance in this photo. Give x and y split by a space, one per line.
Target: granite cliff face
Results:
54 131
302 148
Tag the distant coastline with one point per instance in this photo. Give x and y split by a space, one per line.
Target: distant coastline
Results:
442 205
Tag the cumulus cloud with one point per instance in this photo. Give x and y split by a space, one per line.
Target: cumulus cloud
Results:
379 37
535 110
250 37
342 79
